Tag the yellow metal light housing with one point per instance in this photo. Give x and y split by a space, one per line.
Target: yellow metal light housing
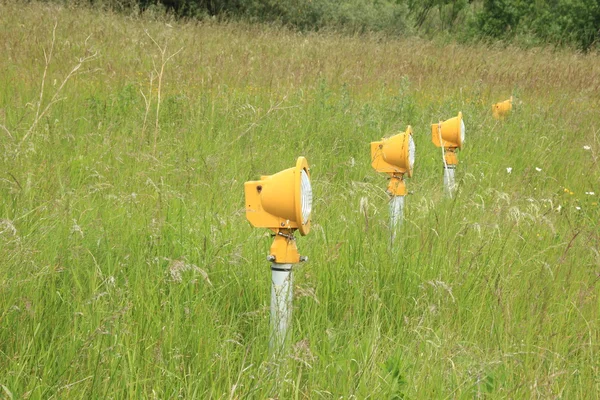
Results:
502 109
451 133
394 155
282 201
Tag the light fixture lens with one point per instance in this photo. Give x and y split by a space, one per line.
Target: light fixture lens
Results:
462 131
411 151
305 196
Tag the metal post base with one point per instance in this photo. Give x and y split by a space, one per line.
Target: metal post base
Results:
449 181
281 305
396 214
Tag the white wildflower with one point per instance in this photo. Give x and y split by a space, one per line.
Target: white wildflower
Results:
508 170
577 208
590 193
586 147
538 169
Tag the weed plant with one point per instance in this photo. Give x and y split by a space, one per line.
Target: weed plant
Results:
128 269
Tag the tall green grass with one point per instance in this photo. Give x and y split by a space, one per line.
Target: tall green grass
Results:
128 270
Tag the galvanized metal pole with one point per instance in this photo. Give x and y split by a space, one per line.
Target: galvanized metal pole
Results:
449 181
281 305
396 214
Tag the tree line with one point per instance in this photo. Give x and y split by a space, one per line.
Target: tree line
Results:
530 22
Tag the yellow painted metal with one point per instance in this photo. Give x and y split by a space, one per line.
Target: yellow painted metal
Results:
502 109
275 202
284 250
397 187
391 155
450 157
450 132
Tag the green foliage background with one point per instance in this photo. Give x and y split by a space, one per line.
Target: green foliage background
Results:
558 22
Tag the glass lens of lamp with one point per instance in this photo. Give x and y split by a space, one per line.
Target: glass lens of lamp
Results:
411 151
305 196
462 131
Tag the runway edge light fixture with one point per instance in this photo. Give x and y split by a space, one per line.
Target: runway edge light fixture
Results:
395 156
449 135
283 203
502 109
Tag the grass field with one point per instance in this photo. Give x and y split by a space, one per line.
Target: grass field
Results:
128 269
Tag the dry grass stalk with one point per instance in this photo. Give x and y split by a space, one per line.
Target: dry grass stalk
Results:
147 103
164 59
55 98
7 131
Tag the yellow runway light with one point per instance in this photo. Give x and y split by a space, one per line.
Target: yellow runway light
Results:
451 133
282 200
283 203
395 156
450 136
502 109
